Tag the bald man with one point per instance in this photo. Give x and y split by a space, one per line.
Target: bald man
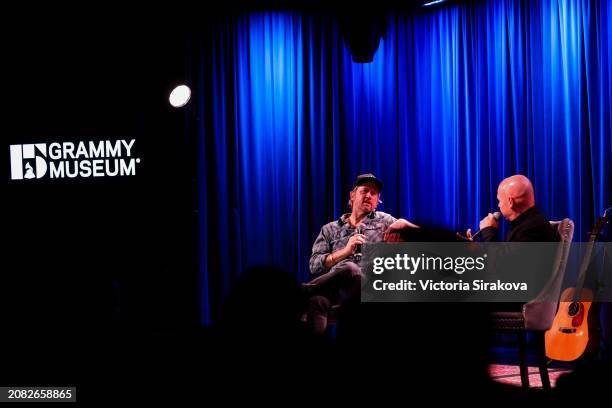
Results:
528 224
517 205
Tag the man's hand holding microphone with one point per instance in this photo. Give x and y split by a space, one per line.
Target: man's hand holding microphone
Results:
491 220
353 246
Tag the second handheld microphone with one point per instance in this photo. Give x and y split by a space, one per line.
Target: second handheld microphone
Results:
358 254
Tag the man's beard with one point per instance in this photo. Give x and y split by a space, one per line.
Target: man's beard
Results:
367 207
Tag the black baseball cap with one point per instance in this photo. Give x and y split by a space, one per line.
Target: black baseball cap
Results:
368 178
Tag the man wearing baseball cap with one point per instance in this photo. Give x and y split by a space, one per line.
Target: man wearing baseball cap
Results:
336 254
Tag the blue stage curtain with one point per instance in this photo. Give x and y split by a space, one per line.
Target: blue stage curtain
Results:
456 99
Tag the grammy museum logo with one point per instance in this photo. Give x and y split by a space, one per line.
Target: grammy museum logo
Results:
104 158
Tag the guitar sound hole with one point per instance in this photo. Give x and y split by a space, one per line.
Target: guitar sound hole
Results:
573 309
567 330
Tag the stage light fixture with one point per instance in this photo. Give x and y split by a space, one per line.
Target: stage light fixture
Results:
362 31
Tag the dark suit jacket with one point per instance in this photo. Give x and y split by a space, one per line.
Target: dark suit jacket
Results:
530 226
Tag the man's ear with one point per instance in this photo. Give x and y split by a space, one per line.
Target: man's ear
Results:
511 203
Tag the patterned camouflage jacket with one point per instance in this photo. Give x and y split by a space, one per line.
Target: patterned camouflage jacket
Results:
335 235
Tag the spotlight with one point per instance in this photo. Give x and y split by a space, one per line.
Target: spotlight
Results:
180 96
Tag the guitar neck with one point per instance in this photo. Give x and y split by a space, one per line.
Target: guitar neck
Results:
586 260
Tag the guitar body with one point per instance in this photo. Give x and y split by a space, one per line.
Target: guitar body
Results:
568 337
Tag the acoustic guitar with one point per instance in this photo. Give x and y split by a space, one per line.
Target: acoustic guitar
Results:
568 337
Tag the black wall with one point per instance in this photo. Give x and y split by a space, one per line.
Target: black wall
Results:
92 253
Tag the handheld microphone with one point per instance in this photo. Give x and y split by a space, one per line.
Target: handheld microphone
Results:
358 253
496 215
